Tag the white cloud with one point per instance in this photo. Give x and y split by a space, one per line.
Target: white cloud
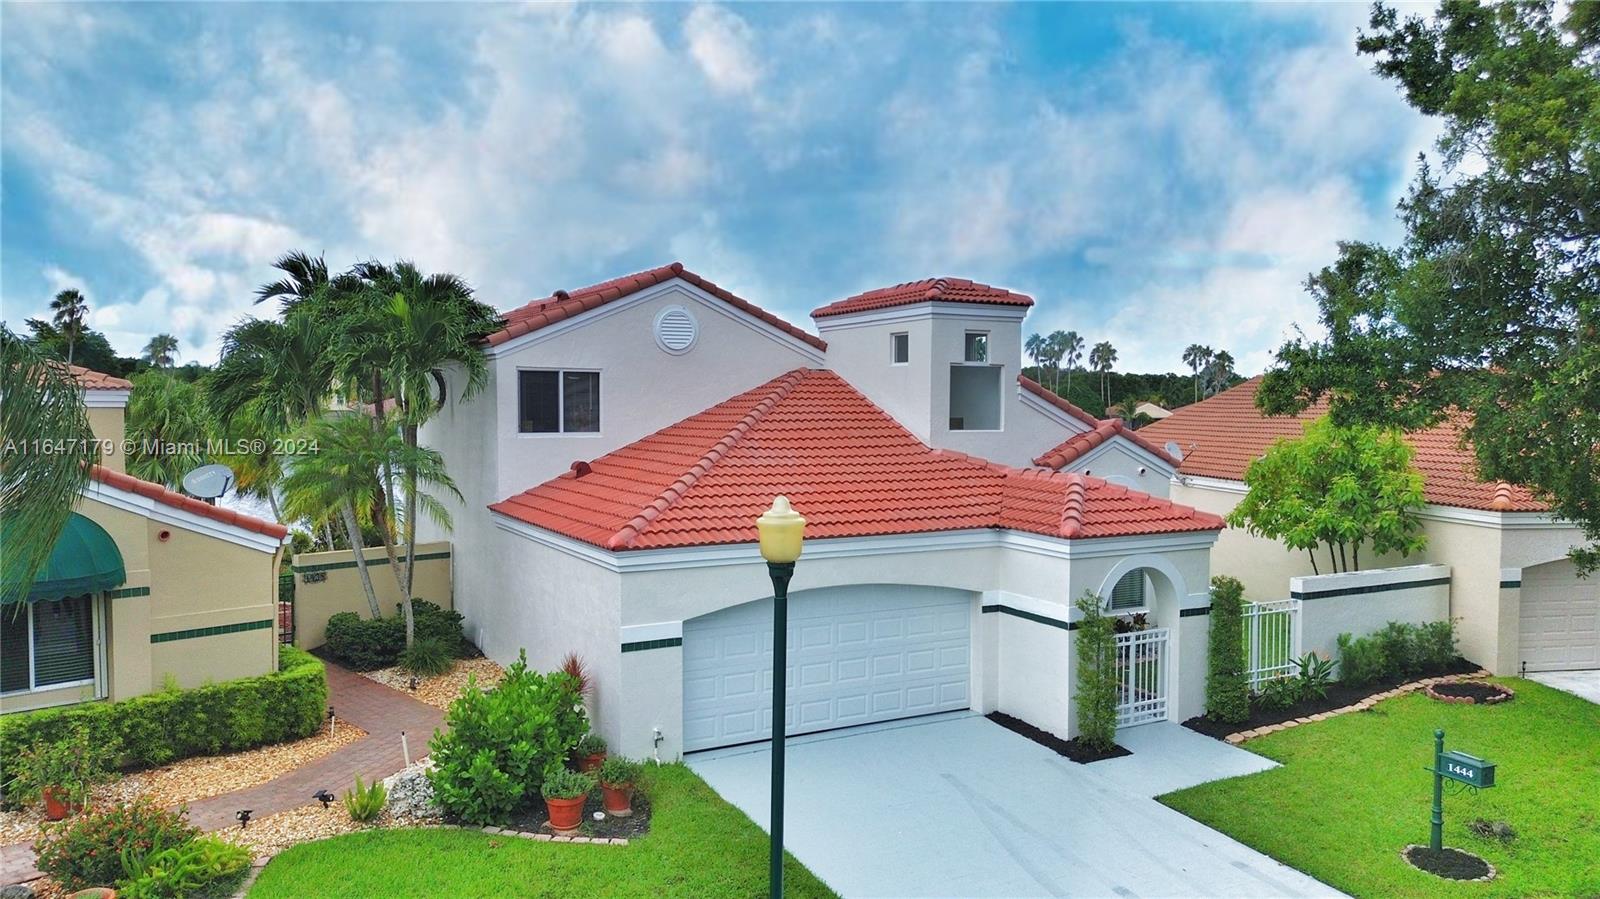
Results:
721 43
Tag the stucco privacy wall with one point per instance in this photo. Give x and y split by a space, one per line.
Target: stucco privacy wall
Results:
1361 602
327 583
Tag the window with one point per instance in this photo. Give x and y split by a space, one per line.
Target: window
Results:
1129 592
974 397
558 402
47 644
899 348
977 346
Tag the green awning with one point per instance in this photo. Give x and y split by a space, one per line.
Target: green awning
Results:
85 560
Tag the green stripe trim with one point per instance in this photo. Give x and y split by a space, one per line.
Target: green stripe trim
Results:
1510 585
214 631
1372 588
339 566
1197 610
1030 616
126 592
652 644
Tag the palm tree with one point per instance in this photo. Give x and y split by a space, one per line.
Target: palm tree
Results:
1102 357
431 321
161 351
37 490
1196 356
70 310
257 467
1072 350
169 425
1038 349
1219 372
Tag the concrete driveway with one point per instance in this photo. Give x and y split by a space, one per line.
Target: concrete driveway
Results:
1579 683
958 806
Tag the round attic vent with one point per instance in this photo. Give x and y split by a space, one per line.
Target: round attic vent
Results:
676 330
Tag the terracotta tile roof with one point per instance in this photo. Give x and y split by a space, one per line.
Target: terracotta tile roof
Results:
1054 399
1220 435
1076 446
944 290
89 379
564 304
177 500
849 467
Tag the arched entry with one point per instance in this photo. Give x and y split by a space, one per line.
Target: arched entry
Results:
857 655
1142 592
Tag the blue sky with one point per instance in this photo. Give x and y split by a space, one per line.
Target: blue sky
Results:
1154 175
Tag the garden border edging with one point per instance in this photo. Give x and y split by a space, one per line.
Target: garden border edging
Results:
1235 739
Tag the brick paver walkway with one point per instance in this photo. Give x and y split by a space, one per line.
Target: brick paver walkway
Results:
380 711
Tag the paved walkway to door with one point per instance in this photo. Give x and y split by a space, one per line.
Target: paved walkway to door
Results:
959 806
379 710
1585 684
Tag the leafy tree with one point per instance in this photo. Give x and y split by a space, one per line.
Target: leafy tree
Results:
1095 641
91 349
1487 313
1197 357
1219 374
1102 357
161 351
1227 687
68 311
1335 487
37 489
169 426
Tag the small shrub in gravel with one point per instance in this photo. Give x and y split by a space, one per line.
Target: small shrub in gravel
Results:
426 658
365 803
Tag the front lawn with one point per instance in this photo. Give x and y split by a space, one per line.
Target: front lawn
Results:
1352 793
699 845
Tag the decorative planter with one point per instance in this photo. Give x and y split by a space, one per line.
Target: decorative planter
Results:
1469 692
591 763
565 814
57 805
618 799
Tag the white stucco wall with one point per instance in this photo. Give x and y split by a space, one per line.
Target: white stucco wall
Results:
1361 602
1119 464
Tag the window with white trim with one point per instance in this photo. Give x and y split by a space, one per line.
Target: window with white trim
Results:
899 348
558 402
47 645
976 346
1129 593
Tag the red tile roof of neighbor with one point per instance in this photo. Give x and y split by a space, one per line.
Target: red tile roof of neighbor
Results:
1056 400
177 500
89 379
845 464
565 304
1220 435
944 290
1099 431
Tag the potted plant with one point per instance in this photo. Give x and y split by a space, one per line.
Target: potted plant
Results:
564 794
61 773
590 752
617 777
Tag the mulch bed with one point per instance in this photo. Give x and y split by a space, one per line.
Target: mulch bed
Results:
1470 693
1339 696
534 818
1074 749
1451 864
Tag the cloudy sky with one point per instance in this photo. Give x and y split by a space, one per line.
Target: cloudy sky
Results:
1153 175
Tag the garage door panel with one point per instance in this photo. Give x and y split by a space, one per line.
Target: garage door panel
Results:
857 655
1560 620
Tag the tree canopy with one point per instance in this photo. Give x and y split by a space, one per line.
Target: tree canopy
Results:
1489 308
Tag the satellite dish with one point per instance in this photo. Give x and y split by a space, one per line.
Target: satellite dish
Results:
208 481
1174 450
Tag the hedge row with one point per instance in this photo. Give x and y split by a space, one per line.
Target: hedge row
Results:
161 727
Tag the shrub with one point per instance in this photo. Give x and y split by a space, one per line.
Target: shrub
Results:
502 743
564 784
1397 644
1097 675
617 771
1227 688
366 803
590 743
1360 660
427 658
87 850
433 622
1397 650
364 644
73 765
203 866
1436 646
161 727
1315 675
1280 693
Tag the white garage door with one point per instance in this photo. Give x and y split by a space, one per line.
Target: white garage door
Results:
856 655
1560 618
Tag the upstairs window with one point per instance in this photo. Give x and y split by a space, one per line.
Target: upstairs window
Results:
1129 592
558 402
977 346
899 348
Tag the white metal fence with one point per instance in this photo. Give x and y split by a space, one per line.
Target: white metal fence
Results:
1271 640
1142 676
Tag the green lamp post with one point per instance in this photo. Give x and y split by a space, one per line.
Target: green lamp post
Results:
782 533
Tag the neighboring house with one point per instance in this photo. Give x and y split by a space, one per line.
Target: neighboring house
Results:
631 432
1515 595
1152 411
145 587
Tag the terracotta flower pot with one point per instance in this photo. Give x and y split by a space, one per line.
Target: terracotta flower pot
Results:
618 799
57 805
591 763
565 814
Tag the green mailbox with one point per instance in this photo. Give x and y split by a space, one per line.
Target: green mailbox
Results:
1467 769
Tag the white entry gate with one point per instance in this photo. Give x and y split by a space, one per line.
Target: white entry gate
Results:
1271 640
1142 676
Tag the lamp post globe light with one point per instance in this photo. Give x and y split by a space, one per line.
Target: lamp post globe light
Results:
782 533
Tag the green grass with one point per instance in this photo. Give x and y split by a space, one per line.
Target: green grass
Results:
699 846
1352 793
